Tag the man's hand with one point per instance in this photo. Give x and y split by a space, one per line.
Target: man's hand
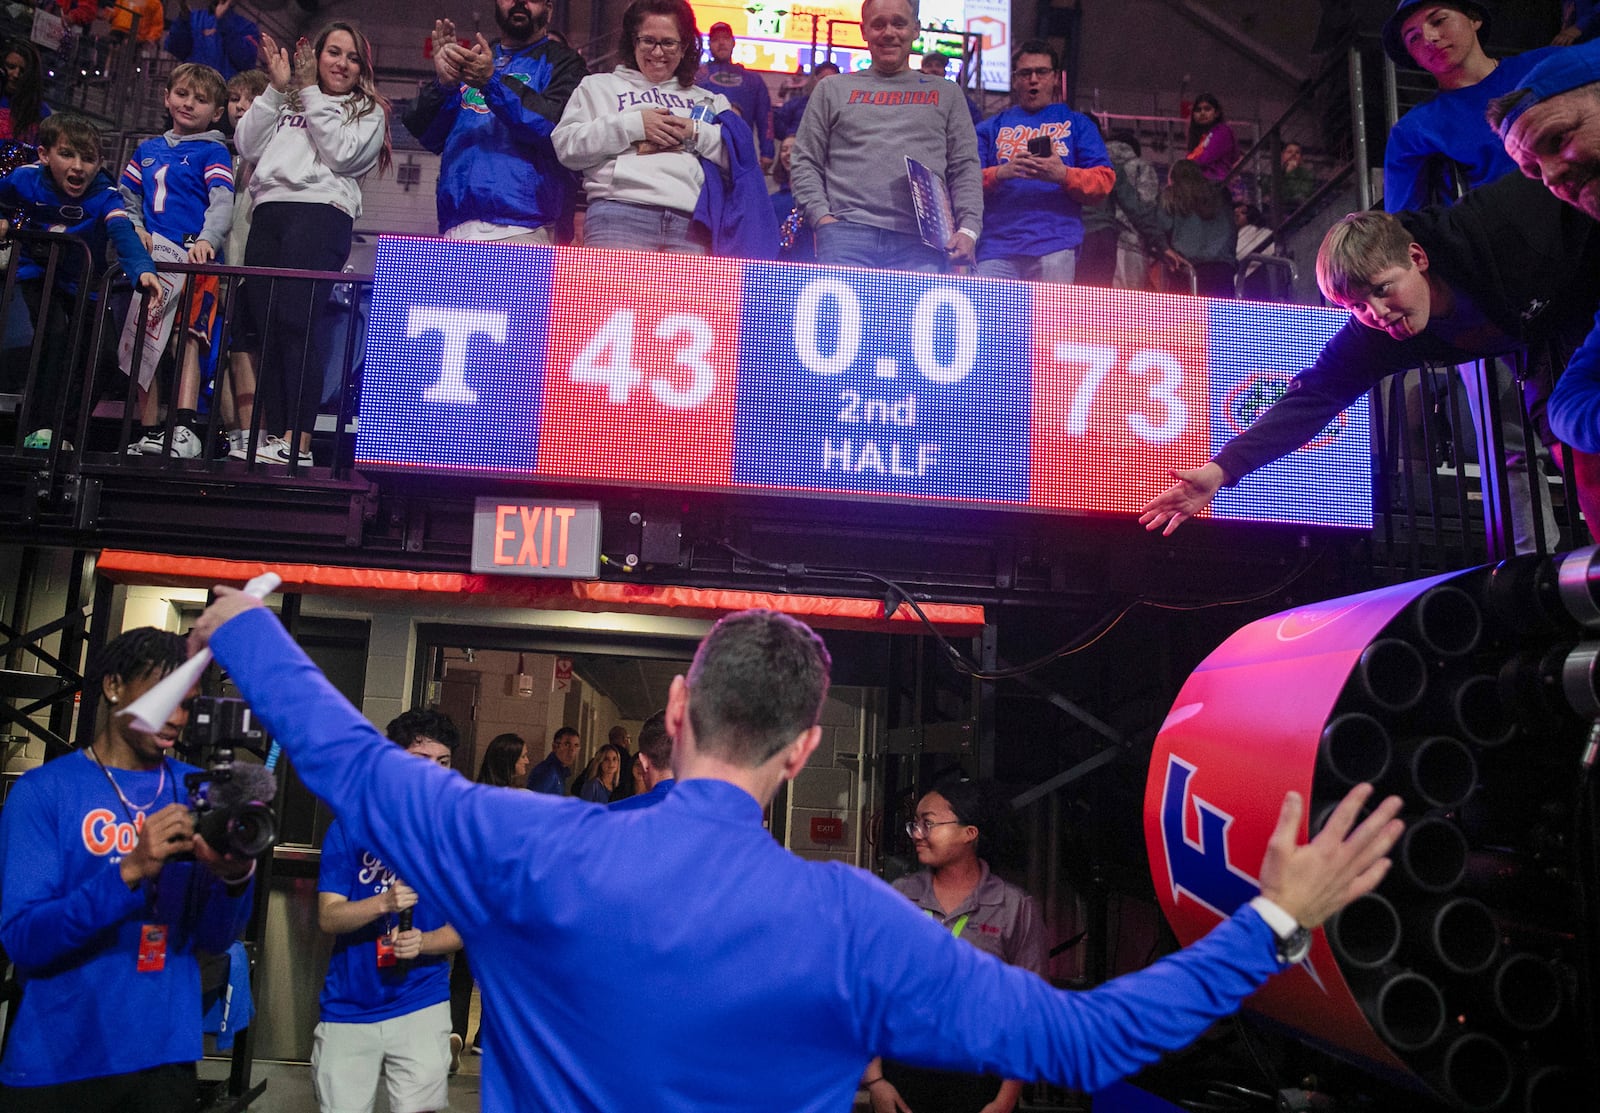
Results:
477 63
886 1099
407 944
1567 36
445 68
164 835
962 249
229 602
399 897
229 870
1184 499
201 251
1313 881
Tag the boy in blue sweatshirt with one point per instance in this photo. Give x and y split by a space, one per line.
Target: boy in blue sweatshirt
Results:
100 918
68 192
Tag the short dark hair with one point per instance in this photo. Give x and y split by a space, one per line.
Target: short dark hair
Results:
76 130
688 31
422 722
757 681
136 654
654 741
978 804
562 733
1035 46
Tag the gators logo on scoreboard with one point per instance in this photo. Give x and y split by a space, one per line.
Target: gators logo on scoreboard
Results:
1246 401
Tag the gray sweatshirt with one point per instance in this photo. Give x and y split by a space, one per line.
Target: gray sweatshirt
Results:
849 162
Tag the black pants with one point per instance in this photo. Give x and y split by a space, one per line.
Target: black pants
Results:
58 384
461 997
168 1089
286 318
1097 258
941 1091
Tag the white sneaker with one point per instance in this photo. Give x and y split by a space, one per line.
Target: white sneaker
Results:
238 444
275 450
185 444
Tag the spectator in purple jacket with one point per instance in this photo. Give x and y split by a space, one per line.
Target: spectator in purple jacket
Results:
1211 141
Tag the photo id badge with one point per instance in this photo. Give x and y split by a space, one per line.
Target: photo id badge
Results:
152 948
385 951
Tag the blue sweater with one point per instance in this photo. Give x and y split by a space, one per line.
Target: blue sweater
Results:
1451 125
73 927
497 163
769 981
747 93
227 45
30 197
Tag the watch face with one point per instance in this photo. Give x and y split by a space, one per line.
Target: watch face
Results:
1295 947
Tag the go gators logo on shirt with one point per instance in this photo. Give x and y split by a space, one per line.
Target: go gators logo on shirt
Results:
104 834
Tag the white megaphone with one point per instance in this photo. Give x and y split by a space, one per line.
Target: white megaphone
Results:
151 711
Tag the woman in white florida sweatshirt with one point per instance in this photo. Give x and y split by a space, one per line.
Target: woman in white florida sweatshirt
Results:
318 129
637 135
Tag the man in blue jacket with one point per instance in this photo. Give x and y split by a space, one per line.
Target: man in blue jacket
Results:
768 981
212 33
489 115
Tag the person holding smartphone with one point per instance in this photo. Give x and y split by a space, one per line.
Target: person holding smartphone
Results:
1042 162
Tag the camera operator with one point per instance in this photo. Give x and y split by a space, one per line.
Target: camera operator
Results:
386 1002
100 918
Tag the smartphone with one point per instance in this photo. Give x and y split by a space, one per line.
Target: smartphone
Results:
1041 146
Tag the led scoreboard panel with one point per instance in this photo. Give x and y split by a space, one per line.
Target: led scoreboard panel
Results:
610 368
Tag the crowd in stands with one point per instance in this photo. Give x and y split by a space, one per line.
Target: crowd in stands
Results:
666 152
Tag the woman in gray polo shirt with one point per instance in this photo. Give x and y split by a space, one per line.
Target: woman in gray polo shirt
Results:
956 888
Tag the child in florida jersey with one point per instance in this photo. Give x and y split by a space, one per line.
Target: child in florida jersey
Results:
65 192
179 186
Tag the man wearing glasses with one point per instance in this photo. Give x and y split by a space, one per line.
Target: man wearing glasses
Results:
1042 162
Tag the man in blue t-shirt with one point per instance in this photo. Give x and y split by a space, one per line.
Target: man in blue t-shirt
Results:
1033 201
655 766
385 1006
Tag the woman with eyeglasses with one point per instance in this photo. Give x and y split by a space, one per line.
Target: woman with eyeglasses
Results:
951 830
639 133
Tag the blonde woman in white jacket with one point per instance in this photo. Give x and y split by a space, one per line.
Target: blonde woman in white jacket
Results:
319 128
637 135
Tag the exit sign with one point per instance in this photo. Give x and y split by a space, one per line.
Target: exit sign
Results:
514 537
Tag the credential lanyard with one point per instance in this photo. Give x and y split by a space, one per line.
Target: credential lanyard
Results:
955 928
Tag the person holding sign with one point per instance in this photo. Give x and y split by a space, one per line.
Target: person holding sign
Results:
848 169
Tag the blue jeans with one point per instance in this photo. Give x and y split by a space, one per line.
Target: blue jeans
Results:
624 227
1058 266
842 244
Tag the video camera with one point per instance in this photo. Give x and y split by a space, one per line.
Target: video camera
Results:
232 800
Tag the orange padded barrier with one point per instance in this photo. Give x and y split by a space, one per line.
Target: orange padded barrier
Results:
124 566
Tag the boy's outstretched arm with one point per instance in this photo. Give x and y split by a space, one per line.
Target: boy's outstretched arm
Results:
1192 493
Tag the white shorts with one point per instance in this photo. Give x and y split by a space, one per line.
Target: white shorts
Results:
412 1052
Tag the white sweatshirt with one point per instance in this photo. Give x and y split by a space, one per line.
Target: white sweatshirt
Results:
604 121
315 155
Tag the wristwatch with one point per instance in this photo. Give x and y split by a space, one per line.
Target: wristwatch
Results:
1292 939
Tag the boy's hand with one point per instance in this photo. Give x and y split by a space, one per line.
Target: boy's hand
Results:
5 228
145 238
1184 499
201 251
150 284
